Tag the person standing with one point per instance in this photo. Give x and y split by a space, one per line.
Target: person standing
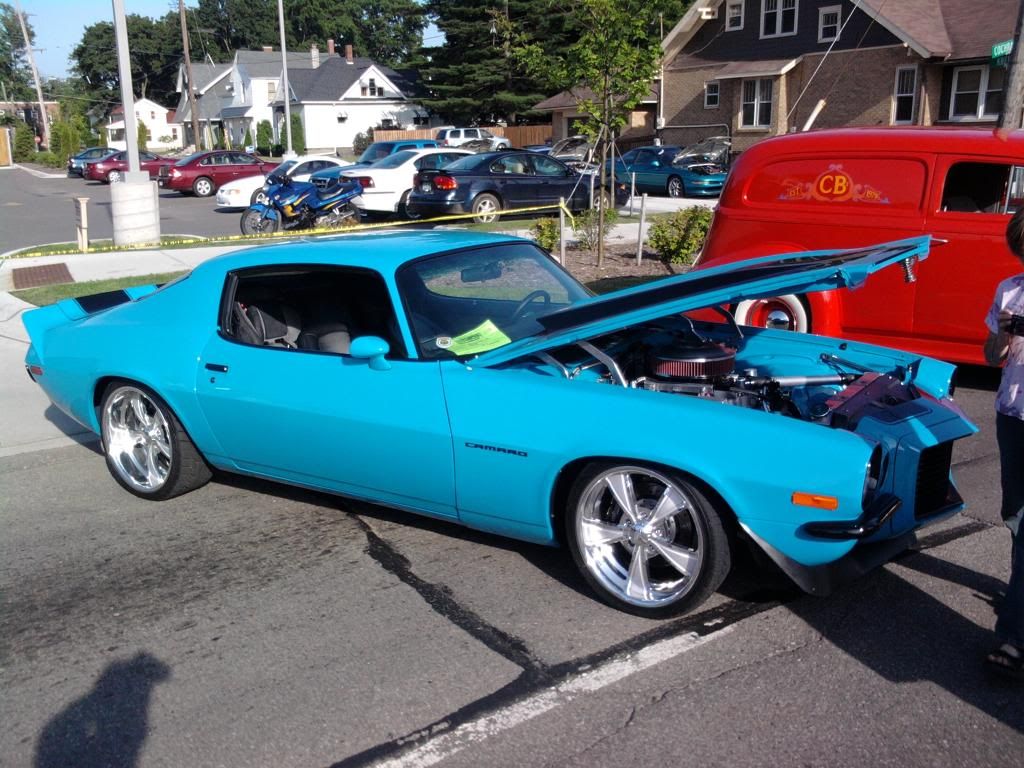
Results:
1005 346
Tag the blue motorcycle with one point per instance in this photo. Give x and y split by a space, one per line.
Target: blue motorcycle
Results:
286 204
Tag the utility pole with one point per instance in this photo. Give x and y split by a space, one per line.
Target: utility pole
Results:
1013 92
188 74
284 82
35 74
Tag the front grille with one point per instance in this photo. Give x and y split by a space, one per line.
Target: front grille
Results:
933 487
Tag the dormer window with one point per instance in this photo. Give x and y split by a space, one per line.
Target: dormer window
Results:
371 89
778 18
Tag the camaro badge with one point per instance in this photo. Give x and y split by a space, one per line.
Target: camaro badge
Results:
496 449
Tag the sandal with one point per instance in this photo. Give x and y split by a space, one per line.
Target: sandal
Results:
1007 660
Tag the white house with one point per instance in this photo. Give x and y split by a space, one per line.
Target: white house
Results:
164 128
344 96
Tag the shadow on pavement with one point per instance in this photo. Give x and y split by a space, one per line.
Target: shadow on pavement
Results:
905 635
107 727
71 428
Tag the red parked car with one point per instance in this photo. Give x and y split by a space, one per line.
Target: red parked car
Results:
203 172
112 168
851 187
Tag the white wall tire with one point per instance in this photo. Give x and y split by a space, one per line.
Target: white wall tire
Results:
782 312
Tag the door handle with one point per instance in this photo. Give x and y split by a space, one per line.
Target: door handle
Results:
217 367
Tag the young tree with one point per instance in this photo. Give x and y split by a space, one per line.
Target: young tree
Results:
24 142
609 68
264 136
247 139
142 135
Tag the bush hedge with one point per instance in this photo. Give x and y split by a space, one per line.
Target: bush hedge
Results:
679 238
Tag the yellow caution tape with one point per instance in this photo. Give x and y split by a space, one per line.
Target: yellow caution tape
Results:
302 233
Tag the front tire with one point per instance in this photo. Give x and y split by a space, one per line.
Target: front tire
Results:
647 541
485 208
675 187
785 313
147 450
253 223
203 187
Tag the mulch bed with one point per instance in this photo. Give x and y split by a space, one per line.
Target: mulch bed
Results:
619 269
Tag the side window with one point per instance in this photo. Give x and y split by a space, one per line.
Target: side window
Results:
644 157
302 168
545 166
511 164
630 157
977 188
471 133
239 158
208 160
309 309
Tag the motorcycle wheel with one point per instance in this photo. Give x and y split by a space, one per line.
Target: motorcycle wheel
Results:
253 223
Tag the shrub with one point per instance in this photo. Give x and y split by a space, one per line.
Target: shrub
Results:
247 139
64 139
264 134
24 143
142 135
585 226
277 150
545 231
361 141
50 159
679 238
298 134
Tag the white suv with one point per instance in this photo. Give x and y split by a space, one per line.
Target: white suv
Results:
454 137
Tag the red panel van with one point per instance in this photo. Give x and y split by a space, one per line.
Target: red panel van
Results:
858 186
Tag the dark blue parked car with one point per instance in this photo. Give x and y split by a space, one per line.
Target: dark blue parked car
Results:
488 183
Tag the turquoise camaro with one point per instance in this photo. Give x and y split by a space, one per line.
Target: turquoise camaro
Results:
467 376
695 171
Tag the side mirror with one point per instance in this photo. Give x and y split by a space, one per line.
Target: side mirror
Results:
371 349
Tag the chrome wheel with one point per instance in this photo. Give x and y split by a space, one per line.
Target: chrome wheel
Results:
642 538
137 439
675 187
113 177
486 208
785 313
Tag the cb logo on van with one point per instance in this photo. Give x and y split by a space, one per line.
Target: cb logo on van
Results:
832 186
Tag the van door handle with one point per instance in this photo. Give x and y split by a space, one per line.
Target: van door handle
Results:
217 367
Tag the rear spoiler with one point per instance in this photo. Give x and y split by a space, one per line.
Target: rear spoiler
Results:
38 321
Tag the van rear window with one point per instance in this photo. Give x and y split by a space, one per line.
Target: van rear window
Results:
885 184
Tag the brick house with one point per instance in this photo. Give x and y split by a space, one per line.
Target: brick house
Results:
564 113
758 68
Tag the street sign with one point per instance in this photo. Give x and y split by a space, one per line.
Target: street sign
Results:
1001 53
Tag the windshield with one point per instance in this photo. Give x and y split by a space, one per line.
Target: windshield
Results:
376 151
707 151
577 145
282 170
464 303
190 158
395 160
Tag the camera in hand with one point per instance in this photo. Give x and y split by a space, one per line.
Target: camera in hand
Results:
1016 325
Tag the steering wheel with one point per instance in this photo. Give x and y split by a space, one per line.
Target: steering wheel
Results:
529 299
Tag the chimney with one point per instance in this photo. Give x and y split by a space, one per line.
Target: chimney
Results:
314 55
348 54
268 49
330 46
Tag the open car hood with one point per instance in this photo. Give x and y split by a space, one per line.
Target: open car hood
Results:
804 272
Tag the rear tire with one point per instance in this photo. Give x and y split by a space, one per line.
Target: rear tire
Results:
485 208
203 187
403 206
113 177
786 313
147 450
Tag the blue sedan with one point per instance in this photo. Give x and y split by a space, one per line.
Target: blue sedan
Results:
673 171
466 376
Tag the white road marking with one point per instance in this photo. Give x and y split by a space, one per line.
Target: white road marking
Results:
594 679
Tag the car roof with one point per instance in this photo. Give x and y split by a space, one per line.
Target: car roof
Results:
971 141
383 251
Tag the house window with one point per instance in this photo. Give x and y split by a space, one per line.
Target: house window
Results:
904 96
828 23
977 93
711 93
271 91
371 89
733 15
778 18
152 115
174 133
757 104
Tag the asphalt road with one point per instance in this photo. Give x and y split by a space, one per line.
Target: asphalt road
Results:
42 210
252 624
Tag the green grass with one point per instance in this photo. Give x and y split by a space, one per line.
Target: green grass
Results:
50 294
167 242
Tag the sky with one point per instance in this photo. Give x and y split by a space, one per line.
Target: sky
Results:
59 25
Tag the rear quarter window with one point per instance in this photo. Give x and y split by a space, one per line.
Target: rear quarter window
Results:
883 185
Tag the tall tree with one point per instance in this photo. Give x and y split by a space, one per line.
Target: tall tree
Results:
473 77
14 71
230 25
155 46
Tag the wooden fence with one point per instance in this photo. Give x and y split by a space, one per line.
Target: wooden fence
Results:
518 135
